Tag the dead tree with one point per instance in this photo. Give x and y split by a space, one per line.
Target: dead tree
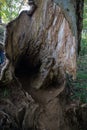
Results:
41 49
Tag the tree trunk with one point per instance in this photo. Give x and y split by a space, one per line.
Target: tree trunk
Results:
41 51
0 20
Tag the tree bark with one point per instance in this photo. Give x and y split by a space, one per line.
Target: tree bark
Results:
79 12
41 51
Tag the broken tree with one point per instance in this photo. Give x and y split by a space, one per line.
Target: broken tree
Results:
41 50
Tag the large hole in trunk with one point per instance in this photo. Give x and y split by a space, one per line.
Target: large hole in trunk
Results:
25 70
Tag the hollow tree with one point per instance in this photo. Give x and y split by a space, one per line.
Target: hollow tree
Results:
41 51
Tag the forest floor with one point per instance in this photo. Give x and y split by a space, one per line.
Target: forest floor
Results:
79 86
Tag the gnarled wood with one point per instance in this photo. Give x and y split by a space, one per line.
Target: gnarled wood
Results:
41 50
45 40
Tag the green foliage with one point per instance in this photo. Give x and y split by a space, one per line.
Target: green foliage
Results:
84 32
80 84
85 15
83 46
9 9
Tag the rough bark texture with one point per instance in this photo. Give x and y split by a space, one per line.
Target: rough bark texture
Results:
79 12
41 51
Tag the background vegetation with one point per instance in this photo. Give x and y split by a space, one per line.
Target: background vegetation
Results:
9 9
79 86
